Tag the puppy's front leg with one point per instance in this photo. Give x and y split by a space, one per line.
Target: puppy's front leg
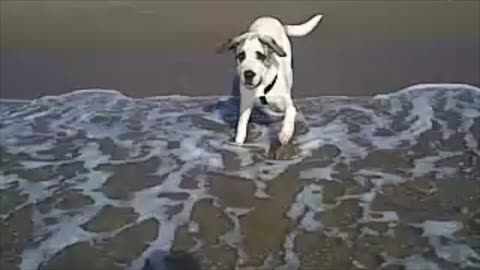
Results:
288 122
246 104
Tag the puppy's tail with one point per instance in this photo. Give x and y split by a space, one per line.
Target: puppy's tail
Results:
303 29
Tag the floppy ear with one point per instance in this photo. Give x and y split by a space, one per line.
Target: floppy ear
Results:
226 45
229 44
272 44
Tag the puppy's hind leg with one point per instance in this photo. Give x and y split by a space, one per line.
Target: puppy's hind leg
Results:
288 126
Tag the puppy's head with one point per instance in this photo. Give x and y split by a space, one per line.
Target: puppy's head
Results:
253 56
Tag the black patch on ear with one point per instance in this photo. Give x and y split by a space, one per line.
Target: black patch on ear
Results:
230 44
273 45
261 56
233 46
269 54
222 47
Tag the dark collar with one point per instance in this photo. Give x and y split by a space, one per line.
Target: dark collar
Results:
270 86
267 89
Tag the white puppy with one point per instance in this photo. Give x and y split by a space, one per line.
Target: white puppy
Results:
264 66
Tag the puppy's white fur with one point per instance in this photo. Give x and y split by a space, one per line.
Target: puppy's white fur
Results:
265 50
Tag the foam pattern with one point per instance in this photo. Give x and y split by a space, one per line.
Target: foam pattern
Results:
123 152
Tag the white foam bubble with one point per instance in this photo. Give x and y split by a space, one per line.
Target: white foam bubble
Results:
439 228
290 258
460 254
413 262
318 173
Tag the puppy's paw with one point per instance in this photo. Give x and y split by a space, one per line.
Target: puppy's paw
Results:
239 139
234 144
286 134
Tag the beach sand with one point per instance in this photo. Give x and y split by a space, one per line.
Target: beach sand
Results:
97 180
146 48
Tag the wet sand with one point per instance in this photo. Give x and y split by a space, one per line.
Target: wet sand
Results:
146 48
387 183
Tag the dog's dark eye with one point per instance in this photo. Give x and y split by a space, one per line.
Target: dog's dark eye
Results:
241 56
261 56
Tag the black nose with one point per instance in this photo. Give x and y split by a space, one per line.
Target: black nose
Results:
248 75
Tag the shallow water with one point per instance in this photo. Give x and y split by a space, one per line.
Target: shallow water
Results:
389 182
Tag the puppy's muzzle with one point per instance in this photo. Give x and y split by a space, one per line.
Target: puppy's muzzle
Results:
248 77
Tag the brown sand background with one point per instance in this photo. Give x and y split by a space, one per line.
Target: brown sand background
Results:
149 48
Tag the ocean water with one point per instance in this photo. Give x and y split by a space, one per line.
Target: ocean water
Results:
97 180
